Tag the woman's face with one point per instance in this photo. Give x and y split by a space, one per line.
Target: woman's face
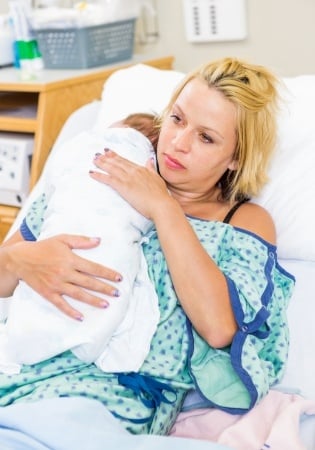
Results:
197 139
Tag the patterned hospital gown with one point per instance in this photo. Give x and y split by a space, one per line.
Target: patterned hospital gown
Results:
233 378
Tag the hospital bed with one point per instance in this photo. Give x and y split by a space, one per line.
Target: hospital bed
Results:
288 195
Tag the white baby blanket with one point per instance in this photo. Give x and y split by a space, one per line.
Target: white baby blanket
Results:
116 338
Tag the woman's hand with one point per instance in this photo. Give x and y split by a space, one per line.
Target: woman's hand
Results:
52 269
142 187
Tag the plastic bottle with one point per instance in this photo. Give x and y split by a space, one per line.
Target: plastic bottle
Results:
27 55
6 41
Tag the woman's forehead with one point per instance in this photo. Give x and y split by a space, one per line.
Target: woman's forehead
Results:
198 100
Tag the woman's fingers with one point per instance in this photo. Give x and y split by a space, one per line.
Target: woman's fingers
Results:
65 273
139 186
98 287
65 307
89 267
83 280
83 296
115 165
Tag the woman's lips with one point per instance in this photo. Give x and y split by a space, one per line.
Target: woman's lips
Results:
172 163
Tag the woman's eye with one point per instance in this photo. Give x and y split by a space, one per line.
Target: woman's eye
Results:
175 118
206 138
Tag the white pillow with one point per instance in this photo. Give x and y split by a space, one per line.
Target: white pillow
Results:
139 88
300 368
290 193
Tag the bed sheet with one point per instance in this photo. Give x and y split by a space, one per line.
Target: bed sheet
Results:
79 424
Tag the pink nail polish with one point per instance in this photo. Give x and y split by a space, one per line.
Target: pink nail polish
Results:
79 317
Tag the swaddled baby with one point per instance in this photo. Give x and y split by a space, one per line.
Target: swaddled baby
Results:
116 338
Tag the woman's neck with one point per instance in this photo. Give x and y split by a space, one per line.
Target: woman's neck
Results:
202 205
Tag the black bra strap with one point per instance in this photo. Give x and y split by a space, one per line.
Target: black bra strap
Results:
229 215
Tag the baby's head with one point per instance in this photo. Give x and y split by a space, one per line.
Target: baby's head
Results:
145 123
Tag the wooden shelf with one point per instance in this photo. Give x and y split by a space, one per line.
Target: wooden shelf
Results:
18 111
18 125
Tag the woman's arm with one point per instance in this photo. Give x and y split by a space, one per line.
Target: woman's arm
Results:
200 285
52 269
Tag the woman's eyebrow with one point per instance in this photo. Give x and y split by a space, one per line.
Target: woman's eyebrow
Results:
176 107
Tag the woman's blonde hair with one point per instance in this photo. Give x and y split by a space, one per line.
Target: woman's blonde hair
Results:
253 91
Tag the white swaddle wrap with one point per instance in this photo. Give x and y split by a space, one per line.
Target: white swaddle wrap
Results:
116 338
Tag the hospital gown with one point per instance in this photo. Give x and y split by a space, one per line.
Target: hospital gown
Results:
234 378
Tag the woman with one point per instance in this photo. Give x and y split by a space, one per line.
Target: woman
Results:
212 257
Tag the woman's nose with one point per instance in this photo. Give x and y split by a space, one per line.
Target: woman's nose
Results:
182 140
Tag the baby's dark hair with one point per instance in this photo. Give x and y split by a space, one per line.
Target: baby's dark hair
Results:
146 123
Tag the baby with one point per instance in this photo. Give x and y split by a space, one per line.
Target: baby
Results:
116 338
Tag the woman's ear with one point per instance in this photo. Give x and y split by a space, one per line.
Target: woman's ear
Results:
233 165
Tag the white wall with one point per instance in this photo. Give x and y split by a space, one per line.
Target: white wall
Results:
281 34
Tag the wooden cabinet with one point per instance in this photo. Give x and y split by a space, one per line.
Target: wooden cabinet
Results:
40 107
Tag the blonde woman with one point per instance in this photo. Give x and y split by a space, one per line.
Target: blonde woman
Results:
212 258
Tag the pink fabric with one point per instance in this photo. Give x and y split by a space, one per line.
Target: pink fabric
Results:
273 424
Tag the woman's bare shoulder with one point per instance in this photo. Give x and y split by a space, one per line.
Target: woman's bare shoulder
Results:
255 218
